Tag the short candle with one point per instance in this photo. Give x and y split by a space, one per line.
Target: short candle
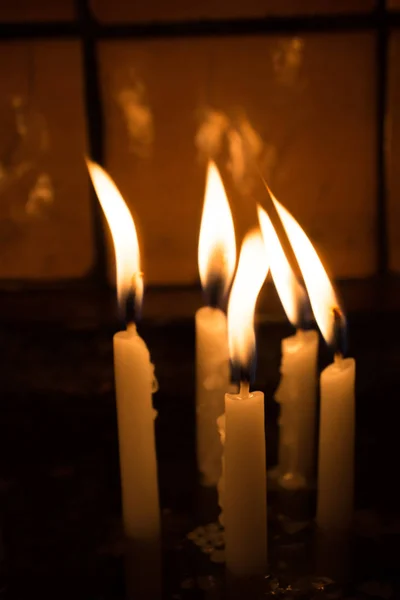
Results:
337 419
297 390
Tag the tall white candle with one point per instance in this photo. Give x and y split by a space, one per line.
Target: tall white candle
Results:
297 390
336 446
296 395
135 414
217 258
245 500
337 429
212 380
134 380
134 376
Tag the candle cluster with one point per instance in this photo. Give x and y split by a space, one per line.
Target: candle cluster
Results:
225 352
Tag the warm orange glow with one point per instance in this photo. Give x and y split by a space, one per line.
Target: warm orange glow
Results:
123 233
321 293
250 276
217 245
289 289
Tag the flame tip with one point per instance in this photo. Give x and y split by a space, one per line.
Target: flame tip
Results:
89 162
290 291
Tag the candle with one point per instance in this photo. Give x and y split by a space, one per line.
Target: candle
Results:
245 501
217 259
134 377
297 390
337 421
297 396
336 446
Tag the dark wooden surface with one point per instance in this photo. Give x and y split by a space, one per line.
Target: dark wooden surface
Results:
59 480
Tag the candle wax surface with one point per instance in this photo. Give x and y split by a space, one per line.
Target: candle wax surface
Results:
297 396
245 490
134 375
336 446
212 381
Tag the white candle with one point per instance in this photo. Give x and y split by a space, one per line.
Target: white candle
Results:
245 500
296 395
212 380
336 446
336 439
297 389
217 258
134 380
134 377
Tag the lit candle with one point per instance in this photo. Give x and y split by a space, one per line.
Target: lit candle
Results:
134 377
297 390
337 415
245 490
217 259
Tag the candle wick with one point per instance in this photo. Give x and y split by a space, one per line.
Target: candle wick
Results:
338 359
215 291
244 389
338 341
131 304
131 327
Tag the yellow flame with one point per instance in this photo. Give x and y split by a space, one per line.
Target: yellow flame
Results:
217 245
289 289
123 232
322 296
250 276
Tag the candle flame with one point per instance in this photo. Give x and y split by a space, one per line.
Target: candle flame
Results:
290 292
322 296
250 276
123 232
217 245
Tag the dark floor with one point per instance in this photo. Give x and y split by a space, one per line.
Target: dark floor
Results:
59 481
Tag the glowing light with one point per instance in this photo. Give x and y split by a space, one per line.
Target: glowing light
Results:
289 289
321 293
123 233
217 245
250 276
